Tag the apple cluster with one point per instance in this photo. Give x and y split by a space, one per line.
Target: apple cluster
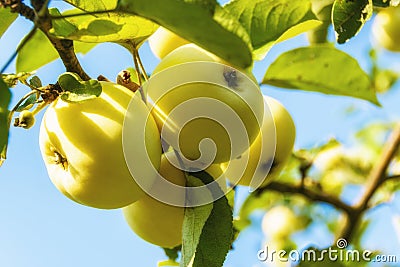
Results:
134 150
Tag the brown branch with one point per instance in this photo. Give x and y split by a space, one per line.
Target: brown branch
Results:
310 194
16 6
65 48
41 17
376 178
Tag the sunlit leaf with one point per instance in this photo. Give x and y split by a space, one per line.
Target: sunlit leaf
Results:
76 90
349 17
271 21
193 223
105 27
217 233
92 6
323 69
6 19
39 51
202 22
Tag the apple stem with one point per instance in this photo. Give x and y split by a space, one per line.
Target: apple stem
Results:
142 69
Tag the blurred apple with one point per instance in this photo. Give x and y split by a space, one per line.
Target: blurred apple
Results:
385 28
280 222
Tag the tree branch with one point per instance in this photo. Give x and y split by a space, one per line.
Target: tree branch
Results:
376 178
392 177
310 194
16 6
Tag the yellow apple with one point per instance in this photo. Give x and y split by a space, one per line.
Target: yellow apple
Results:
270 151
81 145
385 28
208 111
163 41
157 222
280 222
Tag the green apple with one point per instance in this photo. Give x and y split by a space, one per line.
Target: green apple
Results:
157 222
26 119
163 41
81 145
208 111
268 154
385 29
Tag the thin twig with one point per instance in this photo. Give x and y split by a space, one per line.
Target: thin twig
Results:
392 177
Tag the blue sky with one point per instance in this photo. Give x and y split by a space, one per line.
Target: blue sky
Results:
39 227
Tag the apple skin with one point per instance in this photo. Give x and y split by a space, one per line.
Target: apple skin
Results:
81 145
269 153
163 42
385 29
244 99
157 222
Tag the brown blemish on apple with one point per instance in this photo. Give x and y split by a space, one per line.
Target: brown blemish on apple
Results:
230 76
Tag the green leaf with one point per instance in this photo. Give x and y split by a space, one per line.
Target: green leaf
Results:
76 90
271 21
92 6
349 17
104 27
35 82
216 236
385 3
39 51
193 223
28 103
5 98
172 253
202 22
323 69
6 19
